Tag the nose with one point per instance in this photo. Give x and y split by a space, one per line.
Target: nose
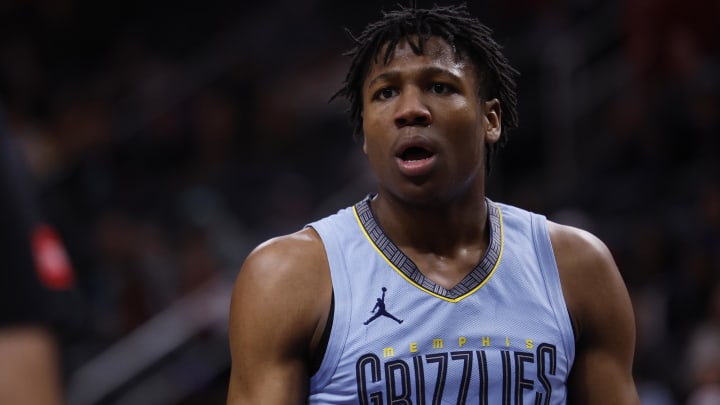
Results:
411 110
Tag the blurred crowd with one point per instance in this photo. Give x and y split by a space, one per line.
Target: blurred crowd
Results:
167 139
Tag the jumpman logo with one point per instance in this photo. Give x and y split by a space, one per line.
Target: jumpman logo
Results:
381 311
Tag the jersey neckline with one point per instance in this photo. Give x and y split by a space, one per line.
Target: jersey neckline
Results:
402 264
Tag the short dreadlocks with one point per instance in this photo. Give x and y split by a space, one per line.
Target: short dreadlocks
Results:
468 38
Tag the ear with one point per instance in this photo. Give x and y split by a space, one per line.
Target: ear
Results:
492 114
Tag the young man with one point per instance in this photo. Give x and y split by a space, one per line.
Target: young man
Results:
427 291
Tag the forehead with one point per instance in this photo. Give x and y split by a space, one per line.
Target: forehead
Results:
436 52
434 47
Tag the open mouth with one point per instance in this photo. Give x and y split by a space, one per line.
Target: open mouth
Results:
416 160
415 153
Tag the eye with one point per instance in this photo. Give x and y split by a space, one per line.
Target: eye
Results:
385 93
441 88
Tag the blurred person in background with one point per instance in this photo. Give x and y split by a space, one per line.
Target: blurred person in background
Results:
36 289
428 291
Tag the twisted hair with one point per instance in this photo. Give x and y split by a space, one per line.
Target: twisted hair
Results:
464 33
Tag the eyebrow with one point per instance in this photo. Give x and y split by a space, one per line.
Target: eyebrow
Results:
429 70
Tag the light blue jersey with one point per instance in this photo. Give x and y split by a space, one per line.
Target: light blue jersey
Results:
501 336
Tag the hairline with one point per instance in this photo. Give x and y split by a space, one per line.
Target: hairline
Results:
460 52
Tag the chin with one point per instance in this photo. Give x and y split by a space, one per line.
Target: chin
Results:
421 196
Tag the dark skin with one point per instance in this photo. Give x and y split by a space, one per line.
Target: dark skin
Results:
426 130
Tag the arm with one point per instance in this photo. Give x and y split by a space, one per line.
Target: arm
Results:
29 370
603 318
278 312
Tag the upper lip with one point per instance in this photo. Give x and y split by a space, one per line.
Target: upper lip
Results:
413 141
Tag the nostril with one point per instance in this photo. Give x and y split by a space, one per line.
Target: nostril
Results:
419 119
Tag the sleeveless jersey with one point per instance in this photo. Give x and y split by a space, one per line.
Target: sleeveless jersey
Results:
501 336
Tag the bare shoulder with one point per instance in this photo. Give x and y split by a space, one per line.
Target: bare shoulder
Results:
279 308
286 259
602 314
287 280
593 286
577 247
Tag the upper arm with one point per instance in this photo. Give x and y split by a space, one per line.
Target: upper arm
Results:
602 314
279 302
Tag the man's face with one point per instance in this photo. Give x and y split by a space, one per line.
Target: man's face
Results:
425 126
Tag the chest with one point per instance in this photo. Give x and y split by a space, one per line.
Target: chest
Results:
500 334
501 343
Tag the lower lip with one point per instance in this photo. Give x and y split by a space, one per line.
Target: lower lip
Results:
414 168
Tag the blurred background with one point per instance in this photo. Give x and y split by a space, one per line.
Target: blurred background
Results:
167 139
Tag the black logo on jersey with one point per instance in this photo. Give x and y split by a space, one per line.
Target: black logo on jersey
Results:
379 310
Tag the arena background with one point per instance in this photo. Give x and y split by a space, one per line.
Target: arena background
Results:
168 138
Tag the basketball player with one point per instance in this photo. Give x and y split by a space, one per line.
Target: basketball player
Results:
474 301
36 290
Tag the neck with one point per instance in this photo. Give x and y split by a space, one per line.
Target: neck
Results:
442 229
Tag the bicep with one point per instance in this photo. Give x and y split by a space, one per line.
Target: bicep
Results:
267 367
602 371
600 305
272 383
272 319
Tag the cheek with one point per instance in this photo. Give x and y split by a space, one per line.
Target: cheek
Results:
468 139
468 130
371 135
372 148
375 152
